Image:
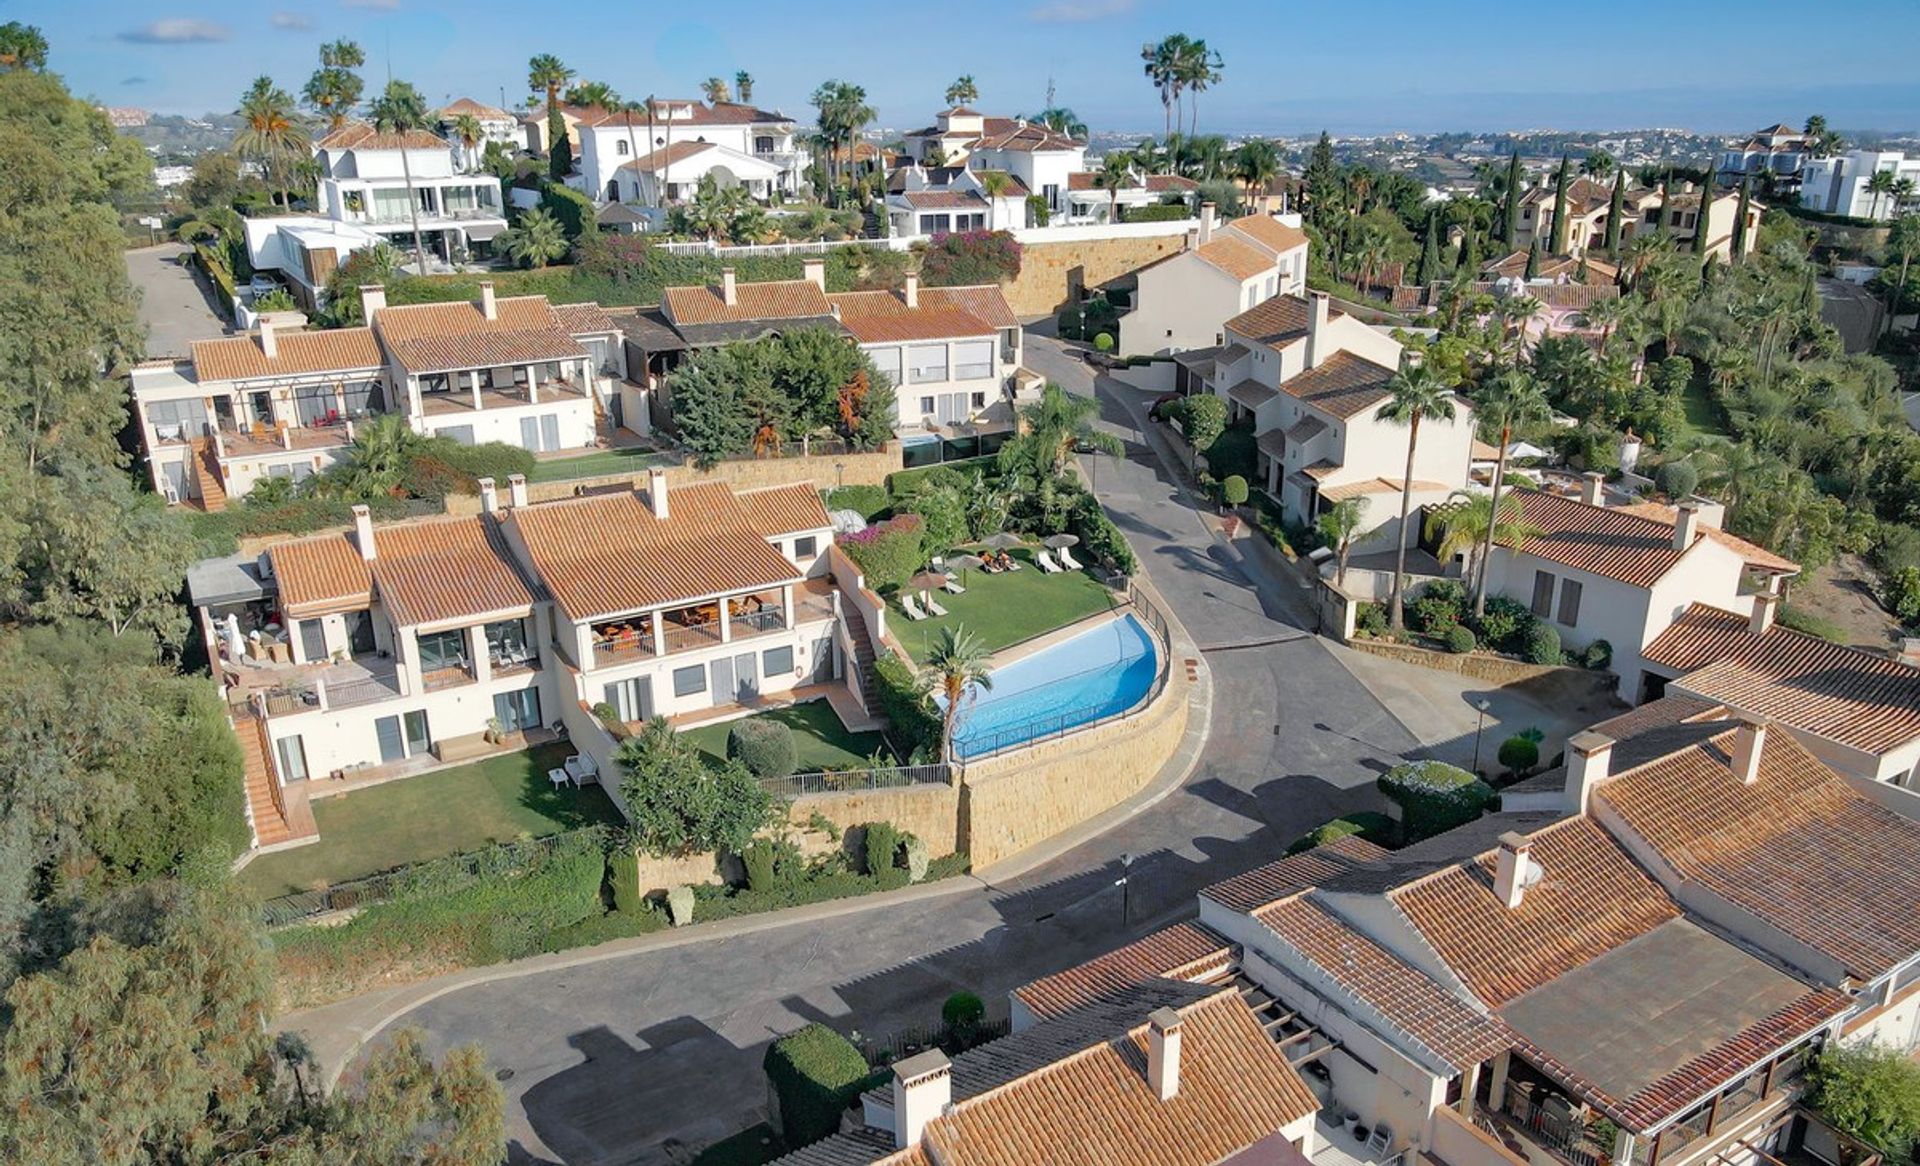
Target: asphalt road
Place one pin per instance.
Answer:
(646, 1058)
(175, 305)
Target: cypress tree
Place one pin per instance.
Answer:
(1430, 250)
(1514, 177)
(1740, 220)
(1580, 276)
(1702, 237)
(1470, 251)
(559, 148)
(1614, 212)
(1560, 224)
(1533, 259)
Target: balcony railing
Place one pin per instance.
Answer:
(611, 650)
(684, 638)
(449, 677)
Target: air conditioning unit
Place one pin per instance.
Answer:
(168, 492)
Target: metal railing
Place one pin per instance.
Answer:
(899, 1044)
(850, 780)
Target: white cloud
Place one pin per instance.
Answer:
(176, 31)
(1079, 11)
(291, 21)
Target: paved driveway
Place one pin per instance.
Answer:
(175, 304)
(643, 1058)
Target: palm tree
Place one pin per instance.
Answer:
(334, 89)
(22, 47)
(1511, 400)
(401, 110)
(1113, 177)
(1256, 163)
(1903, 243)
(1415, 393)
(379, 454)
(743, 87)
(1339, 524)
(1163, 63)
(1604, 315)
(1201, 70)
(537, 240)
(1056, 425)
(956, 669)
(715, 90)
(269, 132)
(1516, 312)
(1902, 193)
(963, 91)
(546, 74)
(593, 94)
(1878, 183)
(1062, 120)
(1738, 471)
(1469, 527)
(468, 132)
(844, 112)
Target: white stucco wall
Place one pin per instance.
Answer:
(1180, 305)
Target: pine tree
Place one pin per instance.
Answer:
(1560, 224)
(1533, 259)
(1430, 250)
(1514, 178)
(1323, 182)
(1615, 211)
(1740, 220)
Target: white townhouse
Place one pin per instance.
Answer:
(496, 125)
(364, 176)
(1088, 203)
(1779, 150)
(660, 155)
(932, 200)
(1043, 159)
(1839, 185)
(1225, 270)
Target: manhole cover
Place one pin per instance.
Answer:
(503, 1075)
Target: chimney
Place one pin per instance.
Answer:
(1750, 740)
(269, 343)
(1686, 524)
(1588, 756)
(657, 492)
(363, 531)
(489, 497)
(489, 307)
(1316, 324)
(1207, 213)
(517, 490)
(815, 272)
(1766, 605)
(1593, 488)
(1512, 872)
(729, 293)
(922, 1091)
(373, 299)
(912, 289)
(1163, 1053)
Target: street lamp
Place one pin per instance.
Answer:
(1483, 706)
(1126, 886)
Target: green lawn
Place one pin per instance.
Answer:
(593, 465)
(412, 819)
(1703, 416)
(820, 741)
(1005, 609)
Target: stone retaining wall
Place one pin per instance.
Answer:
(1496, 670)
(822, 472)
(1051, 273)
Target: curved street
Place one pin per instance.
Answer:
(646, 1057)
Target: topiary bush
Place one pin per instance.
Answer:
(1433, 796)
(880, 852)
(1543, 643)
(815, 1074)
(764, 747)
(1233, 490)
(1597, 655)
(1460, 639)
(1677, 479)
(1103, 342)
(1520, 755)
(1376, 828)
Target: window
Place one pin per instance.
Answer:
(313, 641)
(178, 420)
(443, 650)
(314, 404)
(806, 548)
(926, 363)
(292, 753)
(390, 205)
(361, 398)
(1569, 602)
(459, 200)
(690, 680)
(518, 711)
(887, 361)
(1542, 594)
(620, 148)
(776, 661)
(632, 699)
(507, 642)
(979, 400)
(972, 360)
(926, 406)
(1010, 344)
(763, 144)
(458, 434)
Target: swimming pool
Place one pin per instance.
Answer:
(1100, 672)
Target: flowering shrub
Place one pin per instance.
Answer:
(970, 257)
(888, 553)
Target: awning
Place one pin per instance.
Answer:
(482, 232)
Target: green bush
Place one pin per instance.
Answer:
(1677, 479)
(1440, 607)
(1236, 452)
(1433, 796)
(961, 1016)
(1520, 754)
(489, 459)
(1597, 655)
(1901, 594)
(943, 510)
(869, 502)
(1813, 625)
(815, 1074)
(1371, 618)
(966, 258)
(1375, 828)
(1503, 623)
(574, 210)
(623, 872)
(1543, 643)
(1103, 342)
(1154, 214)
(1071, 324)
(765, 747)
(1460, 639)
(1099, 536)
(761, 860)
(903, 701)
(888, 554)
(880, 850)
(1233, 490)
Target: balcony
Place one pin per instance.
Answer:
(456, 401)
(452, 676)
(696, 627)
(295, 689)
(268, 440)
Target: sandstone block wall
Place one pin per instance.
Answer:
(1493, 669)
(1050, 273)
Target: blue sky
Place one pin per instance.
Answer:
(1710, 65)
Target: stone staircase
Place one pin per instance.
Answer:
(873, 223)
(206, 476)
(862, 654)
(274, 820)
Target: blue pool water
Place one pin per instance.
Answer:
(919, 439)
(1098, 673)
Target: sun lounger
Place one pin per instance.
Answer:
(1067, 560)
(1013, 564)
(911, 608)
(952, 586)
(1046, 562)
(933, 606)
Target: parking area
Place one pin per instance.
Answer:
(176, 306)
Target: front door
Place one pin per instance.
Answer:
(823, 660)
(419, 740)
(747, 675)
(292, 754)
(360, 633)
(313, 641)
(387, 731)
(519, 711)
(720, 681)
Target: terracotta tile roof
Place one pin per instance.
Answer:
(316, 576)
(1170, 184)
(1017, 188)
(609, 555)
(1584, 195)
(1605, 540)
(1514, 266)
(361, 136)
(984, 301)
(935, 200)
(1448, 1026)
(786, 299)
(584, 319)
(240, 358)
(1236, 257)
(1670, 709)
(1278, 321)
(1251, 394)
(720, 113)
(1593, 899)
(1757, 557)
(881, 317)
(1185, 951)
(1320, 469)
(1269, 232)
(1005, 133)
(860, 1147)
(427, 338)
(468, 105)
(435, 572)
(1844, 694)
(1292, 874)
(1799, 848)
(1095, 1106)
(1370, 486)
(1343, 385)
(673, 152)
(777, 510)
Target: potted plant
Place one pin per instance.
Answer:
(496, 732)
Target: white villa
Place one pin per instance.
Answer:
(659, 156)
(1088, 203)
(1183, 298)
(1042, 159)
(931, 200)
(363, 182)
(1838, 185)
(496, 125)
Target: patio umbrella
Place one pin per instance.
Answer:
(1003, 541)
(927, 581)
(1057, 541)
(966, 563)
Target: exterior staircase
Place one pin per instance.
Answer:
(862, 654)
(206, 476)
(873, 223)
(274, 820)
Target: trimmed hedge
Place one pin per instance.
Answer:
(1434, 797)
(574, 210)
(764, 747)
(815, 1074)
(1543, 643)
(916, 726)
(1375, 828)
(1460, 639)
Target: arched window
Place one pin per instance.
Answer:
(620, 148)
